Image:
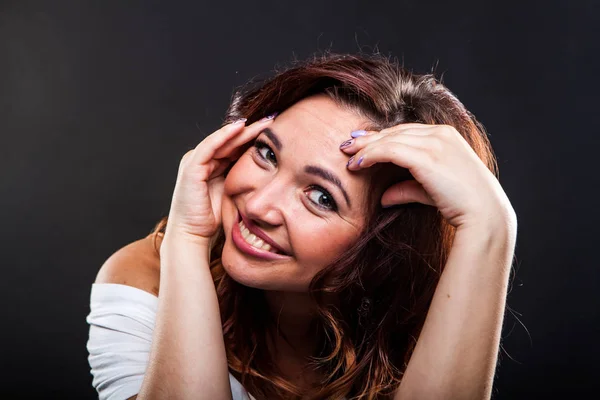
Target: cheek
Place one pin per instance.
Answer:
(320, 243)
(238, 174)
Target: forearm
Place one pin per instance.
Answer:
(187, 358)
(456, 353)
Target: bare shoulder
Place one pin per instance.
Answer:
(136, 264)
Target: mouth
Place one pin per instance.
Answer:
(248, 242)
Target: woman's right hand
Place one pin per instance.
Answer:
(195, 213)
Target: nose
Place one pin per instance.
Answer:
(265, 203)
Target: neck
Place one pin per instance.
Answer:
(293, 336)
(293, 315)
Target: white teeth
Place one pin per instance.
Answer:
(267, 247)
(254, 241)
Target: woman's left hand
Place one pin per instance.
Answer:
(448, 173)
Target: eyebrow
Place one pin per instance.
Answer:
(328, 176)
(311, 169)
(273, 137)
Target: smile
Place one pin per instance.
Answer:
(249, 244)
(252, 240)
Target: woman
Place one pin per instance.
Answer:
(358, 245)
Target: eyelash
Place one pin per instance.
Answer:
(260, 144)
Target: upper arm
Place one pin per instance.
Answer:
(121, 325)
(136, 264)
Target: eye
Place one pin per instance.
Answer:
(318, 195)
(261, 147)
(322, 198)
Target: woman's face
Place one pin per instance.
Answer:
(278, 186)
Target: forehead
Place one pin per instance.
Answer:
(321, 120)
(312, 130)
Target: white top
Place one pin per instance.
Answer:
(121, 323)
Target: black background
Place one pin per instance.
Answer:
(99, 100)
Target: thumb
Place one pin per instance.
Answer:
(409, 191)
(216, 195)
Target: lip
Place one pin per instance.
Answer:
(256, 231)
(242, 245)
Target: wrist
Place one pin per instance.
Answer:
(496, 222)
(497, 239)
(190, 244)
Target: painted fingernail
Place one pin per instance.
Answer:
(346, 143)
(239, 121)
(268, 117)
(359, 161)
(350, 161)
(356, 134)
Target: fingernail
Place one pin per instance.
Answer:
(268, 117)
(359, 161)
(350, 161)
(356, 134)
(239, 121)
(346, 143)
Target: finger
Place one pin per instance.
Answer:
(249, 133)
(402, 154)
(411, 126)
(409, 191)
(353, 146)
(359, 140)
(408, 128)
(217, 167)
(205, 173)
(238, 152)
(207, 148)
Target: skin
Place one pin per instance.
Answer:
(452, 359)
(275, 194)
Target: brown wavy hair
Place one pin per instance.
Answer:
(385, 282)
